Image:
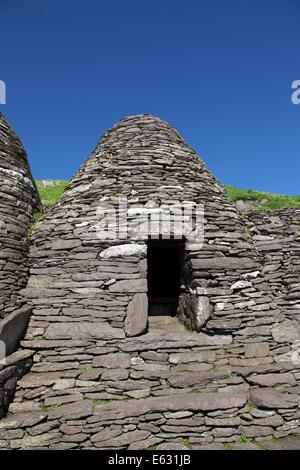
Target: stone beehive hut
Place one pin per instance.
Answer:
(18, 201)
(140, 339)
(116, 282)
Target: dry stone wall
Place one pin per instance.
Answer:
(278, 240)
(104, 374)
(18, 200)
(77, 277)
(158, 389)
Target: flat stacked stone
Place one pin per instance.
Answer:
(278, 241)
(18, 200)
(77, 277)
(155, 390)
(105, 375)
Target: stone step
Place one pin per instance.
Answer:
(165, 323)
(171, 403)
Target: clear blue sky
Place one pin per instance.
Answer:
(219, 71)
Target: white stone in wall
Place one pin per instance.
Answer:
(18, 176)
(151, 204)
(253, 274)
(128, 249)
(219, 306)
(137, 360)
(143, 211)
(204, 311)
(171, 187)
(82, 224)
(263, 237)
(133, 192)
(80, 189)
(241, 285)
(287, 330)
(190, 246)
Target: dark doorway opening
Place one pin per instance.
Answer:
(165, 262)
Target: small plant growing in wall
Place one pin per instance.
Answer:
(35, 218)
(96, 402)
(227, 446)
(186, 443)
(244, 439)
(251, 405)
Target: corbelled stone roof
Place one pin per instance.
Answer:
(18, 200)
(145, 154)
(145, 159)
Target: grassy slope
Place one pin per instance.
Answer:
(50, 196)
(272, 201)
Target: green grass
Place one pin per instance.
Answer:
(227, 446)
(44, 407)
(244, 439)
(50, 195)
(273, 201)
(35, 218)
(251, 406)
(185, 442)
(97, 402)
